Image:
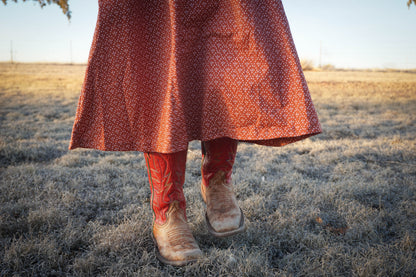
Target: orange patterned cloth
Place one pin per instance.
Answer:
(162, 73)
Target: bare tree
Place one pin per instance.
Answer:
(410, 2)
(61, 3)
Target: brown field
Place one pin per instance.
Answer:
(339, 204)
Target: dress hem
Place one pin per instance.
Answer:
(273, 142)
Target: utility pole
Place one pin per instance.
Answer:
(70, 51)
(11, 51)
(320, 54)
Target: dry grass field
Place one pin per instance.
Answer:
(339, 204)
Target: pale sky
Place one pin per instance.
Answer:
(346, 34)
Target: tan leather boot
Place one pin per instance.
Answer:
(173, 238)
(224, 217)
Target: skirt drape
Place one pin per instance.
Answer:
(162, 73)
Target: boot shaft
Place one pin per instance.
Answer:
(218, 154)
(166, 174)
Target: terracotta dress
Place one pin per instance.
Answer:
(162, 73)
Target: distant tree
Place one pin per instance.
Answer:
(61, 3)
(307, 65)
(410, 2)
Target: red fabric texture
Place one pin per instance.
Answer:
(166, 174)
(162, 73)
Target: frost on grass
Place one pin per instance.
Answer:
(339, 204)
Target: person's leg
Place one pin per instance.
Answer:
(172, 235)
(224, 217)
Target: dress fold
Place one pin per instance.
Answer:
(162, 73)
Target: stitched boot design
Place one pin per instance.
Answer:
(172, 235)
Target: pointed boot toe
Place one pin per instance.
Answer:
(174, 241)
(223, 216)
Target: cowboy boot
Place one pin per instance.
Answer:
(223, 216)
(173, 238)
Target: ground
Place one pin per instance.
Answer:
(342, 203)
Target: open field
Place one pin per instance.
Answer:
(339, 204)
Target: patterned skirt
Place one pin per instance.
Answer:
(162, 73)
